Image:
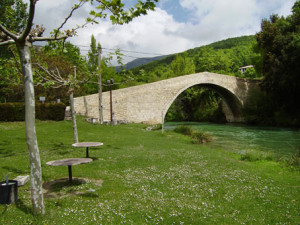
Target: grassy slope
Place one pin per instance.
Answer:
(148, 177)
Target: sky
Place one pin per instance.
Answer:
(174, 26)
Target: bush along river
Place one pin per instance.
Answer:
(253, 143)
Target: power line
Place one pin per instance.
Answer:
(122, 50)
(123, 55)
(146, 53)
(116, 49)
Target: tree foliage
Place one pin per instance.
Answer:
(54, 58)
(15, 14)
(182, 65)
(224, 57)
(92, 55)
(197, 104)
(279, 44)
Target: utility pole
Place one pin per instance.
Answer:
(110, 83)
(100, 86)
(71, 91)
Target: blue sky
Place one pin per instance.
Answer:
(175, 25)
(174, 8)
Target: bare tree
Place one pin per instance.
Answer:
(56, 79)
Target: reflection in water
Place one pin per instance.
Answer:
(236, 138)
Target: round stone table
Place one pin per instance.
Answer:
(87, 145)
(69, 162)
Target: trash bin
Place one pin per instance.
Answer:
(8, 192)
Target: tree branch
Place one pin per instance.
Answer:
(69, 16)
(50, 74)
(106, 6)
(17, 64)
(49, 38)
(27, 30)
(8, 33)
(7, 42)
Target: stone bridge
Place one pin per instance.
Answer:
(149, 103)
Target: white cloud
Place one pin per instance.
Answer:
(219, 19)
(159, 32)
(153, 33)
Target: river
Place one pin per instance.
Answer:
(280, 142)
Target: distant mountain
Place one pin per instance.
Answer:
(140, 61)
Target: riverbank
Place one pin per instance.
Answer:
(146, 177)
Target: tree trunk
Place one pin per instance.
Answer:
(100, 87)
(75, 133)
(34, 156)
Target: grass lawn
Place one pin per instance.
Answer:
(145, 177)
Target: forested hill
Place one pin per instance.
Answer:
(224, 57)
(142, 61)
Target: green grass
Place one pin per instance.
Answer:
(147, 178)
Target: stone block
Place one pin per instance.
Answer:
(22, 180)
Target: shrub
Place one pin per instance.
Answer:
(186, 130)
(12, 112)
(253, 155)
(201, 137)
(47, 111)
(50, 111)
(198, 137)
(294, 160)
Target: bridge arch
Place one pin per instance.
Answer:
(232, 106)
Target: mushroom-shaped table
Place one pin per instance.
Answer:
(87, 145)
(69, 162)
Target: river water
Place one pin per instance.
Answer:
(279, 142)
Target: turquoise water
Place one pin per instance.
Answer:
(280, 142)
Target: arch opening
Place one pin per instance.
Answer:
(228, 103)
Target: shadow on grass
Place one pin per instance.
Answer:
(60, 148)
(59, 184)
(111, 147)
(12, 169)
(4, 209)
(20, 205)
(94, 158)
(63, 188)
(4, 153)
(89, 195)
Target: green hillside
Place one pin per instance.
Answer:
(224, 57)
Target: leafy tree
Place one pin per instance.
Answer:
(14, 20)
(182, 65)
(250, 73)
(214, 61)
(10, 79)
(279, 44)
(15, 14)
(92, 55)
(24, 39)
